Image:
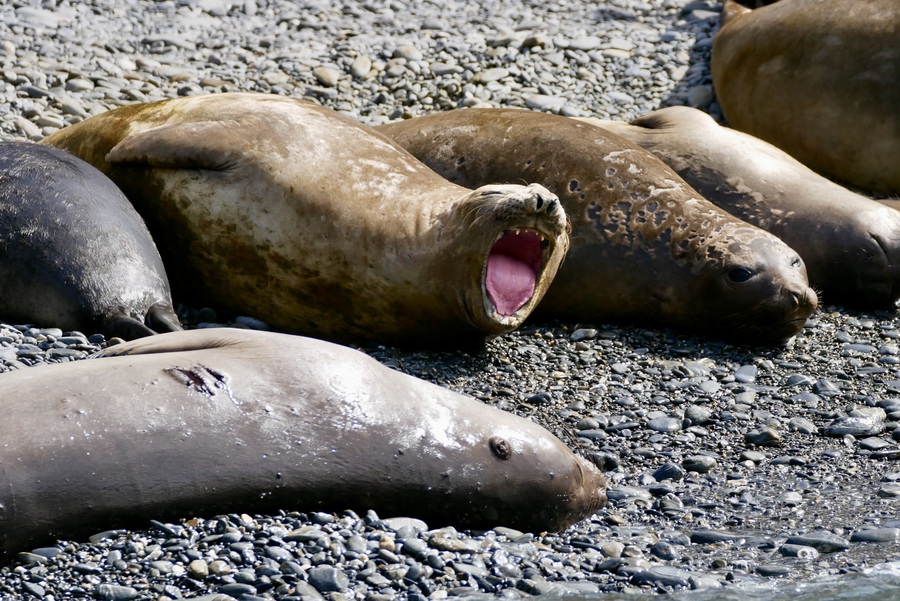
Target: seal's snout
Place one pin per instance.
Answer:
(594, 484)
(803, 299)
(806, 300)
(550, 201)
(886, 236)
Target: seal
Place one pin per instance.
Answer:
(292, 213)
(644, 246)
(850, 243)
(204, 422)
(73, 251)
(818, 79)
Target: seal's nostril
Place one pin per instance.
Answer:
(540, 202)
(551, 206)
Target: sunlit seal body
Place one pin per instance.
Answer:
(644, 246)
(214, 421)
(304, 218)
(818, 79)
(74, 253)
(850, 243)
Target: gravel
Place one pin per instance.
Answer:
(727, 465)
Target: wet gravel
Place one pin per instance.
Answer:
(726, 464)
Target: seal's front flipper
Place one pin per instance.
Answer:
(123, 326)
(187, 340)
(200, 145)
(162, 318)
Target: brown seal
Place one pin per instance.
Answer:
(818, 79)
(850, 243)
(644, 245)
(304, 218)
(73, 252)
(213, 421)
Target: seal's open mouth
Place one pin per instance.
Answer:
(513, 265)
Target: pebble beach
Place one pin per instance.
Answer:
(734, 472)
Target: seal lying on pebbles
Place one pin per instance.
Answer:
(290, 212)
(850, 244)
(817, 78)
(644, 245)
(217, 420)
(73, 252)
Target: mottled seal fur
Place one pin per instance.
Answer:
(292, 213)
(73, 252)
(850, 243)
(818, 79)
(644, 245)
(214, 421)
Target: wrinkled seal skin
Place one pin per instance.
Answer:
(818, 79)
(73, 251)
(213, 421)
(292, 213)
(644, 246)
(849, 243)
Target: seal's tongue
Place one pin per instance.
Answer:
(512, 268)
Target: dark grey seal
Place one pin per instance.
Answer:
(73, 252)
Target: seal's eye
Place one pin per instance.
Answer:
(740, 274)
(795, 262)
(500, 447)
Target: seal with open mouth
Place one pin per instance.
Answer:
(73, 252)
(645, 246)
(205, 422)
(304, 218)
(850, 243)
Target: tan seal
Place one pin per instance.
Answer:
(304, 218)
(214, 421)
(644, 245)
(819, 79)
(850, 243)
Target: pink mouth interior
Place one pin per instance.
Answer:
(512, 268)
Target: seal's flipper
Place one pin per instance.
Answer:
(124, 326)
(176, 342)
(163, 319)
(652, 121)
(180, 146)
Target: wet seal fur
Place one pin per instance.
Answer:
(292, 213)
(73, 251)
(850, 243)
(644, 245)
(213, 421)
(818, 79)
